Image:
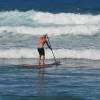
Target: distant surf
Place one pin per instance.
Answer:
(36, 23)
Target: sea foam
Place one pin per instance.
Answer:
(37, 23)
(59, 53)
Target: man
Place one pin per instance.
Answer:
(42, 42)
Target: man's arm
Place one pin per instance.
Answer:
(48, 45)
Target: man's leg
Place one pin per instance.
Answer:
(43, 60)
(39, 61)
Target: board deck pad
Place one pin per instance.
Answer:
(41, 66)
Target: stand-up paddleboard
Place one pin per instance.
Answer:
(41, 66)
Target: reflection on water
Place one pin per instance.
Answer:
(41, 82)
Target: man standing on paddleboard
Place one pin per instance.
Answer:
(42, 42)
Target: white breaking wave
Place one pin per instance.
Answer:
(37, 23)
(65, 18)
(75, 30)
(59, 53)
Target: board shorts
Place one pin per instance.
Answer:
(41, 51)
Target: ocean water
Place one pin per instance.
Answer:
(73, 27)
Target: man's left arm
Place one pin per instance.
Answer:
(48, 45)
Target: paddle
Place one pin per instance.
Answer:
(52, 51)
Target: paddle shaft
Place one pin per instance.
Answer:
(54, 56)
(51, 49)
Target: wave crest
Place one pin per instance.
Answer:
(59, 53)
(36, 23)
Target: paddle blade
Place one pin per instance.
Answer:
(57, 63)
